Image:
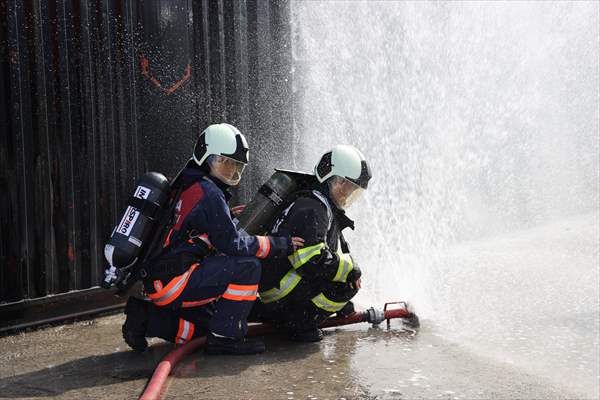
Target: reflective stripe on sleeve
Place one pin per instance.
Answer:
(328, 305)
(302, 256)
(240, 292)
(345, 265)
(264, 246)
(286, 285)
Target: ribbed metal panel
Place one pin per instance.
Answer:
(94, 93)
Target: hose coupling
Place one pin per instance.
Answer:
(374, 316)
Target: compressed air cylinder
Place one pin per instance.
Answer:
(132, 235)
(257, 217)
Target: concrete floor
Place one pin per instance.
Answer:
(90, 360)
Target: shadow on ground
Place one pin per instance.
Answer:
(127, 366)
(92, 371)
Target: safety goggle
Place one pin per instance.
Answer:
(238, 169)
(347, 194)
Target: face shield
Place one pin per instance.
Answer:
(344, 192)
(227, 170)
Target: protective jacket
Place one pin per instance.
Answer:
(306, 273)
(203, 226)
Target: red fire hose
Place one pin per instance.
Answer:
(164, 368)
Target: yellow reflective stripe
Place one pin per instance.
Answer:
(286, 285)
(302, 256)
(324, 303)
(345, 265)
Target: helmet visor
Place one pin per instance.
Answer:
(344, 192)
(229, 170)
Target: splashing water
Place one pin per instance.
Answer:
(480, 121)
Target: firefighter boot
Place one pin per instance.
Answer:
(134, 328)
(313, 334)
(224, 345)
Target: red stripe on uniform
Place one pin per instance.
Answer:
(242, 287)
(190, 304)
(181, 327)
(264, 246)
(238, 298)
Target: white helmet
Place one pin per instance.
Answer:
(344, 161)
(352, 172)
(225, 150)
(221, 140)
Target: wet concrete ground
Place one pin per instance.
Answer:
(89, 360)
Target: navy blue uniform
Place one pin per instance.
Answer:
(301, 291)
(221, 266)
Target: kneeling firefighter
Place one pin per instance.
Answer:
(206, 278)
(299, 292)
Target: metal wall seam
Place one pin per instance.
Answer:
(109, 167)
(46, 125)
(21, 108)
(70, 272)
(5, 184)
(90, 129)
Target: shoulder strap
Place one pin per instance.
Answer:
(291, 200)
(344, 244)
(323, 200)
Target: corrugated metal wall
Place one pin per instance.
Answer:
(94, 93)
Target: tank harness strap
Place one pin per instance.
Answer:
(147, 208)
(291, 200)
(162, 264)
(344, 244)
(323, 200)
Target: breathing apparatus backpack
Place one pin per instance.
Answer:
(137, 239)
(141, 230)
(282, 188)
(271, 199)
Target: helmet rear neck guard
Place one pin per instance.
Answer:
(346, 162)
(221, 140)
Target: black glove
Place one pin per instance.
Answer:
(354, 274)
(290, 249)
(284, 243)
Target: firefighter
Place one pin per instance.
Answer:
(299, 292)
(205, 260)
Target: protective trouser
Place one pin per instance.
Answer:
(219, 289)
(178, 326)
(301, 310)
